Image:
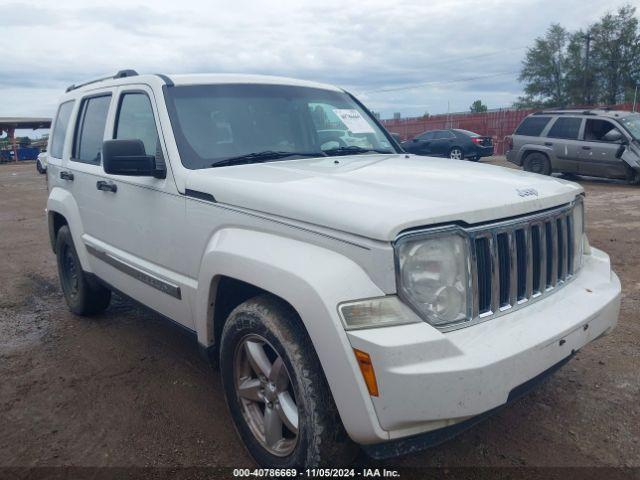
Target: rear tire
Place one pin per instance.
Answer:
(287, 423)
(537, 163)
(83, 295)
(456, 153)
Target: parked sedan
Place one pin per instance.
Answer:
(453, 143)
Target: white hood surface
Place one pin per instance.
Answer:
(378, 196)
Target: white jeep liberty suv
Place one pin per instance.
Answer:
(352, 293)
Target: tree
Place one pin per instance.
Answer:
(545, 67)
(616, 47)
(595, 65)
(478, 107)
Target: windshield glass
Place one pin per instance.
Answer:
(215, 123)
(632, 124)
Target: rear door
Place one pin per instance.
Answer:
(442, 142)
(422, 144)
(597, 156)
(564, 139)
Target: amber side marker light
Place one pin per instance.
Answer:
(366, 368)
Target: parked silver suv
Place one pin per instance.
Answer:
(600, 143)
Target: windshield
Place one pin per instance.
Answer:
(216, 125)
(632, 124)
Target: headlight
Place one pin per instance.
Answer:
(578, 234)
(433, 276)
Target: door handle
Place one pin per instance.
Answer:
(548, 144)
(66, 176)
(586, 148)
(106, 186)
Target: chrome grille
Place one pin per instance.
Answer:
(516, 261)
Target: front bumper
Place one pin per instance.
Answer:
(429, 380)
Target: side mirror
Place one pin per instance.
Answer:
(127, 157)
(614, 136)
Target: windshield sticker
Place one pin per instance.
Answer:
(353, 120)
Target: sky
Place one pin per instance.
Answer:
(410, 57)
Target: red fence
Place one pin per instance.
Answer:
(497, 124)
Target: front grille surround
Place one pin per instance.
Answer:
(513, 263)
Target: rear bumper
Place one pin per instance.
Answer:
(429, 380)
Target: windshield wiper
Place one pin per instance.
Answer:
(257, 157)
(354, 149)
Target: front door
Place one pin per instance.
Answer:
(134, 225)
(598, 157)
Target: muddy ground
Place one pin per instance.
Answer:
(129, 389)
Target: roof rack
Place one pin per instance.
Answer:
(565, 112)
(119, 74)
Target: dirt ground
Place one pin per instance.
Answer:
(130, 389)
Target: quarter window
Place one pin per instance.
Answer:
(565, 127)
(135, 121)
(60, 127)
(532, 126)
(90, 130)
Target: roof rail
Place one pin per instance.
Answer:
(119, 74)
(565, 112)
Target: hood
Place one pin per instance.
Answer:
(378, 196)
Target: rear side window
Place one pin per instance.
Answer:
(60, 127)
(565, 127)
(135, 121)
(532, 126)
(90, 129)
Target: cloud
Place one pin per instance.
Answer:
(407, 56)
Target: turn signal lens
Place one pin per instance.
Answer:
(366, 368)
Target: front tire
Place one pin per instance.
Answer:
(277, 394)
(537, 163)
(83, 295)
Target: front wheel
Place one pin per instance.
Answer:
(456, 153)
(276, 391)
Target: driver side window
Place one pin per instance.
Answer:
(426, 136)
(601, 131)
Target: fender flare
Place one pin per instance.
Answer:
(61, 201)
(313, 280)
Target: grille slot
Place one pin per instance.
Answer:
(483, 263)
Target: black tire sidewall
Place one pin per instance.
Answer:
(240, 324)
(90, 298)
(461, 153)
(540, 157)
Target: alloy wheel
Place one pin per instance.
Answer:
(265, 393)
(455, 154)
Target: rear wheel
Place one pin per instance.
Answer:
(456, 153)
(537, 163)
(84, 296)
(276, 391)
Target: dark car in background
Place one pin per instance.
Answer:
(453, 143)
